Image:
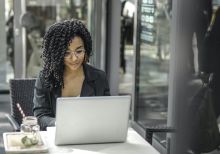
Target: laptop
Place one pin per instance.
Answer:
(85, 120)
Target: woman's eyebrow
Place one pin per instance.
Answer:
(79, 47)
(76, 48)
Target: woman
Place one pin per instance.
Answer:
(67, 47)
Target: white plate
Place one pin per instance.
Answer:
(13, 144)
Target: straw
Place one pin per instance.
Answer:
(20, 110)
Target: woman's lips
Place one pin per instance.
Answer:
(73, 63)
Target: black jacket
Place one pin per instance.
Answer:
(95, 84)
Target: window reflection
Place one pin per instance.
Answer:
(9, 16)
(44, 15)
(153, 60)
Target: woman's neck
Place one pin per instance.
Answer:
(73, 74)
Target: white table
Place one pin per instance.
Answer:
(135, 144)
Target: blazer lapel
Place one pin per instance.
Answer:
(88, 88)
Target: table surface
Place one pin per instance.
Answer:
(134, 144)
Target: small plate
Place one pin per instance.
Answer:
(13, 144)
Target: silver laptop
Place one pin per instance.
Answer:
(83, 120)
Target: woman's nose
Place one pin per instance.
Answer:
(74, 57)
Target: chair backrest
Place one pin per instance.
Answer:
(22, 92)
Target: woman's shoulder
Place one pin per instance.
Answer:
(93, 72)
(40, 82)
(94, 69)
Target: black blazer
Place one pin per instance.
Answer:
(95, 84)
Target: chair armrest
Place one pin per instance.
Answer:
(156, 127)
(4, 91)
(160, 128)
(13, 122)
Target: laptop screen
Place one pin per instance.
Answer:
(81, 120)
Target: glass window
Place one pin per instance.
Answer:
(40, 15)
(6, 43)
(152, 60)
(126, 47)
(37, 16)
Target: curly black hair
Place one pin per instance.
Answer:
(55, 44)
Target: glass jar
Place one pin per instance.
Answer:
(31, 130)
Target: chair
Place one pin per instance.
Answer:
(22, 92)
(155, 126)
(150, 128)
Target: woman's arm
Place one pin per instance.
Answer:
(42, 106)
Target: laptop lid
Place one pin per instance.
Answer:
(81, 120)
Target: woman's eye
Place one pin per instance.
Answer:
(67, 53)
(79, 51)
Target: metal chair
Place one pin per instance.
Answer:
(22, 92)
(148, 129)
(155, 126)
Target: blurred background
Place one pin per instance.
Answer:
(134, 41)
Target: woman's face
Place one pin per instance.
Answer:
(75, 54)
